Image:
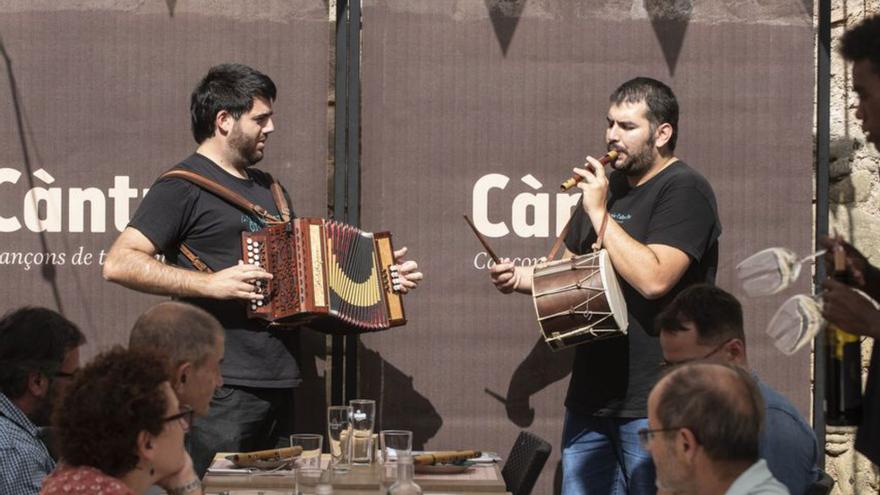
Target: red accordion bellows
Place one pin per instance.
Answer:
(332, 276)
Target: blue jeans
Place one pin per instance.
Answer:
(602, 456)
(242, 419)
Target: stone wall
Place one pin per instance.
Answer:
(855, 213)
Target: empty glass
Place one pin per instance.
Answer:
(392, 445)
(307, 480)
(339, 436)
(312, 445)
(770, 270)
(363, 419)
(795, 323)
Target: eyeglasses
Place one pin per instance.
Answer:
(707, 356)
(646, 435)
(185, 416)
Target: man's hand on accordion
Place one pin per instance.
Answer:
(242, 281)
(410, 276)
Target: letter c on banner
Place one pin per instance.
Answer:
(481, 205)
(9, 224)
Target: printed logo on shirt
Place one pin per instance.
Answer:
(253, 224)
(621, 217)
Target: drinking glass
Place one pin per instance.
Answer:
(311, 449)
(307, 480)
(363, 419)
(394, 442)
(339, 436)
(771, 270)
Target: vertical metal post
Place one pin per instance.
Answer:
(823, 143)
(353, 191)
(346, 179)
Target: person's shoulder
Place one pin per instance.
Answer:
(779, 408)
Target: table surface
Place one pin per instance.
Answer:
(480, 479)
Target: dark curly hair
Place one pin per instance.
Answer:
(862, 42)
(109, 403)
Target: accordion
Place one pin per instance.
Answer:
(329, 275)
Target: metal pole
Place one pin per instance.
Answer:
(823, 140)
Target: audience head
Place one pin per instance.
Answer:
(39, 353)
(120, 415)
(703, 323)
(861, 46)
(704, 421)
(191, 341)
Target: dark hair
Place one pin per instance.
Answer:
(862, 42)
(230, 87)
(33, 340)
(112, 400)
(177, 331)
(721, 405)
(659, 98)
(715, 313)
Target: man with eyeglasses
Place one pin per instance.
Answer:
(39, 353)
(192, 343)
(704, 421)
(705, 323)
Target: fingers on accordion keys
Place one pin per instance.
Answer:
(395, 278)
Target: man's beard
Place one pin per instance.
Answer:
(636, 165)
(245, 148)
(42, 414)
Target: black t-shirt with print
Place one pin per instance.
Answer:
(176, 211)
(675, 208)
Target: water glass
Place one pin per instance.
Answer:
(307, 480)
(339, 435)
(363, 420)
(312, 445)
(393, 443)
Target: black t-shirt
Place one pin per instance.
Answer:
(177, 211)
(675, 208)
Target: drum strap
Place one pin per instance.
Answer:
(561, 237)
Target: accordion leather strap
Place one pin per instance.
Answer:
(280, 200)
(227, 194)
(196, 262)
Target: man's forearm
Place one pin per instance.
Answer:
(142, 272)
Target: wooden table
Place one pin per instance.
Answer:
(361, 480)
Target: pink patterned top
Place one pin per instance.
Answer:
(82, 480)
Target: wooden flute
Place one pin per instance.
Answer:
(575, 178)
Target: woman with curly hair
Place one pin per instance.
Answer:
(120, 429)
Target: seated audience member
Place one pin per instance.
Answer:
(706, 323)
(704, 420)
(192, 341)
(120, 430)
(39, 353)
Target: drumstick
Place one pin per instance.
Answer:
(445, 457)
(482, 240)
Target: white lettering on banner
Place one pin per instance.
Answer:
(482, 261)
(530, 214)
(42, 207)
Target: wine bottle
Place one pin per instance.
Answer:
(843, 370)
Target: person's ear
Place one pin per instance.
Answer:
(663, 134)
(181, 373)
(37, 384)
(735, 350)
(687, 444)
(224, 122)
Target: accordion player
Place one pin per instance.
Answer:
(329, 275)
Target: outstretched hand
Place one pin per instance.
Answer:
(856, 263)
(410, 276)
(848, 309)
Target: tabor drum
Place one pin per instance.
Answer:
(578, 300)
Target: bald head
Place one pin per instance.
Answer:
(181, 332)
(721, 406)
